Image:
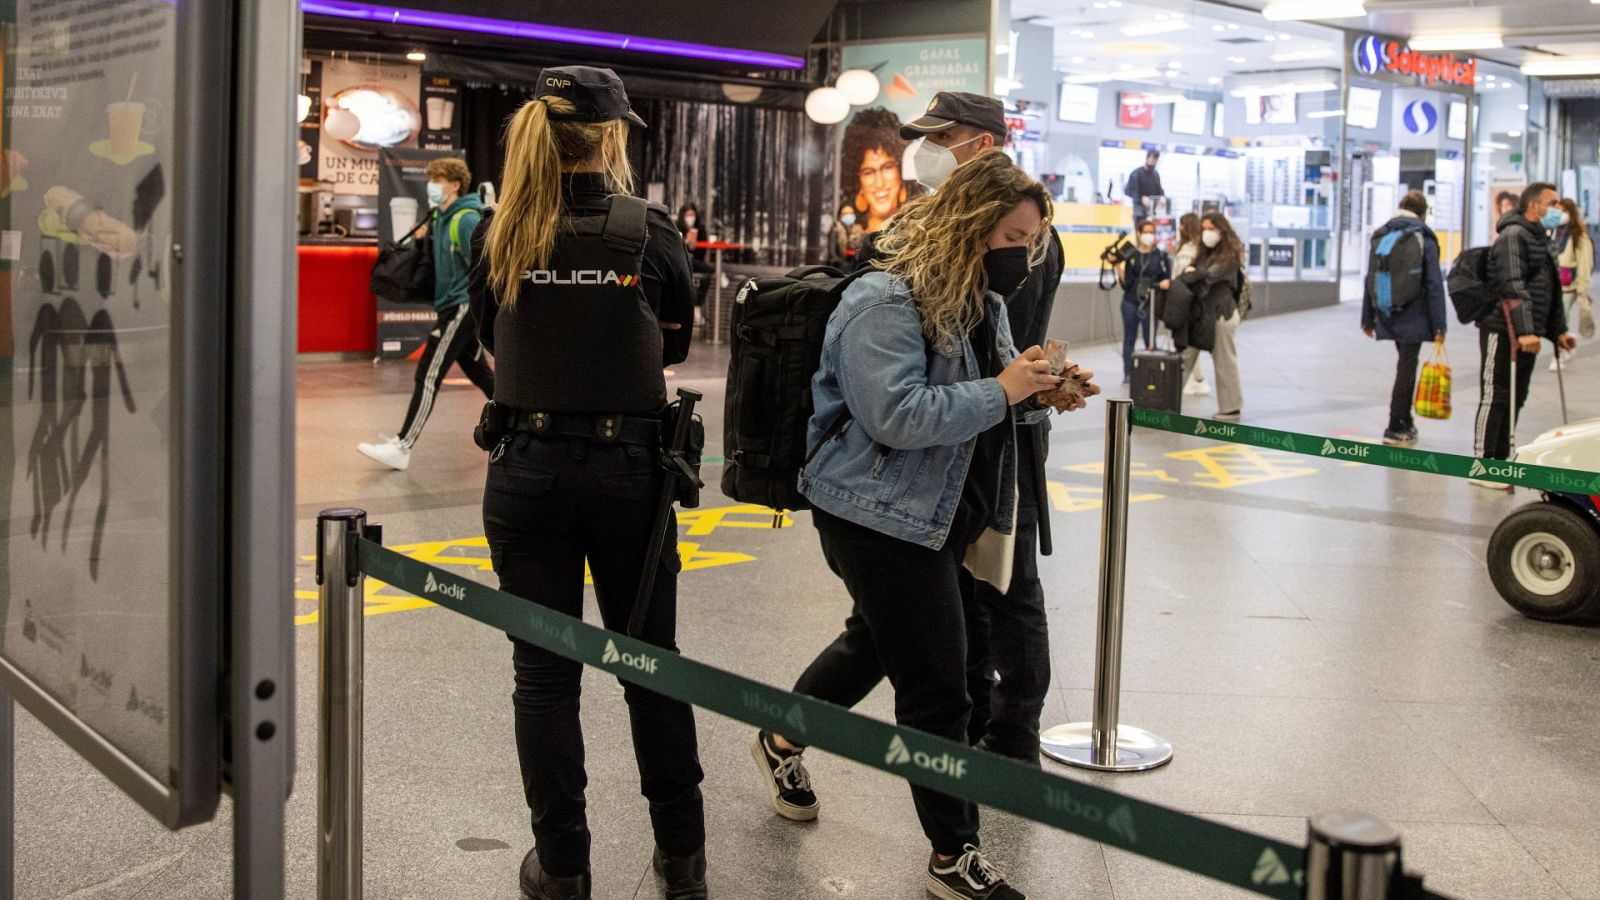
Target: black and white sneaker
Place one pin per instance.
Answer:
(969, 876)
(786, 777)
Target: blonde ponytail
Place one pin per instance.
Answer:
(522, 234)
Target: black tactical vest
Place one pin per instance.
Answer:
(581, 337)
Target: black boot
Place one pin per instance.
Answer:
(537, 884)
(685, 875)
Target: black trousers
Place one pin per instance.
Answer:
(453, 340)
(1492, 431)
(908, 606)
(550, 505)
(1008, 656)
(1405, 386)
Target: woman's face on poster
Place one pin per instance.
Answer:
(880, 183)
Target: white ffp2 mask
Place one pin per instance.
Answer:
(935, 163)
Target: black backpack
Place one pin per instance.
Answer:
(1470, 288)
(1394, 268)
(776, 346)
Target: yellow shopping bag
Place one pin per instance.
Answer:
(1433, 388)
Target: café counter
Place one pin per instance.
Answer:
(338, 314)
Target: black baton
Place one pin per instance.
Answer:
(677, 468)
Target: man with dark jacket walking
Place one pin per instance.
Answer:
(456, 213)
(1523, 272)
(1410, 321)
(1144, 184)
(1008, 639)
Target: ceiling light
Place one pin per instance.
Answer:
(1099, 6)
(1142, 29)
(417, 56)
(1524, 106)
(1513, 134)
(859, 86)
(1270, 38)
(1078, 60)
(420, 18)
(1301, 55)
(1283, 36)
(1547, 68)
(1493, 145)
(1232, 27)
(1293, 87)
(1492, 77)
(1237, 59)
(1293, 10)
(1482, 40)
(827, 106)
(1213, 80)
(1114, 4)
(1225, 28)
(1325, 114)
(1099, 77)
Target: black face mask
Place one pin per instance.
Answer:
(1007, 269)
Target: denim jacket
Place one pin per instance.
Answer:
(900, 464)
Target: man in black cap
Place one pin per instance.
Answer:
(1007, 635)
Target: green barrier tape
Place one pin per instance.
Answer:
(1539, 478)
(1239, 858)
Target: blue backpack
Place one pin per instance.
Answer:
(1394, 271)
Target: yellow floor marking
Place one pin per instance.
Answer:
(1135, 470)
(1082, 498)
(380, 598)
(705, 521)
(1235, 465)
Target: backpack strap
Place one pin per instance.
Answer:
(454, 227)
(625, 228)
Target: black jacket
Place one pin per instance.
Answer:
(666, 277)
(1523, 271)
(1211, 284)
(1418, 322)
(1144, 182)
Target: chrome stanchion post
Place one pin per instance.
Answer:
(1105, 744)
(8, 796)
(1351, 856)
(339, 749)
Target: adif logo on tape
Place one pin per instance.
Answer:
(592, 277)
(1480, 469)
(453, 591)
(1355, 451)
(642, 662)
(943, 764)
(1271, 870)
(1120, 822)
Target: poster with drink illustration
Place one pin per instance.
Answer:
(875, 171)
(86, 598)
(366, 106)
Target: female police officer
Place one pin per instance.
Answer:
(584, 293)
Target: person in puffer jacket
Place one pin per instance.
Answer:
(1522, 270)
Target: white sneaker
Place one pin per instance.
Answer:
(389, 452)
(1563, 357)
(1489, 485)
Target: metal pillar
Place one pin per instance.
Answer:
(339, 749)
(1351, 856)
(1104, 744)
(8, 796)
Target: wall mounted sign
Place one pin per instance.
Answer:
(1393, 60)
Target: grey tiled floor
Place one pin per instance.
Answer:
(1314, 636)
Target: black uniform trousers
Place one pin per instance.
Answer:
(453, 340)
(1492, 430)
(909, 611)
(549, 505)
(1405, 386)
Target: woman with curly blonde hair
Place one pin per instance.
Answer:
(913, 475)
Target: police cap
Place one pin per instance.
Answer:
(596, 93)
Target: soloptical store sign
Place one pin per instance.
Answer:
(1392, 60)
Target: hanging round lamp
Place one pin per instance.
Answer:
(827, 106)
(859, 86)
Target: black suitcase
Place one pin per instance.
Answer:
(1157, 381)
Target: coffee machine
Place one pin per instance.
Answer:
(316, 207)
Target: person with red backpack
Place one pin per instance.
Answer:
(1404, 302)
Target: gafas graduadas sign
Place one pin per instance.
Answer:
(1375, 56)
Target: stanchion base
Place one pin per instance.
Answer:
(1137, 749)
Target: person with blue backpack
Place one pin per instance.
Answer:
(1404, 302)
(456, 214)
